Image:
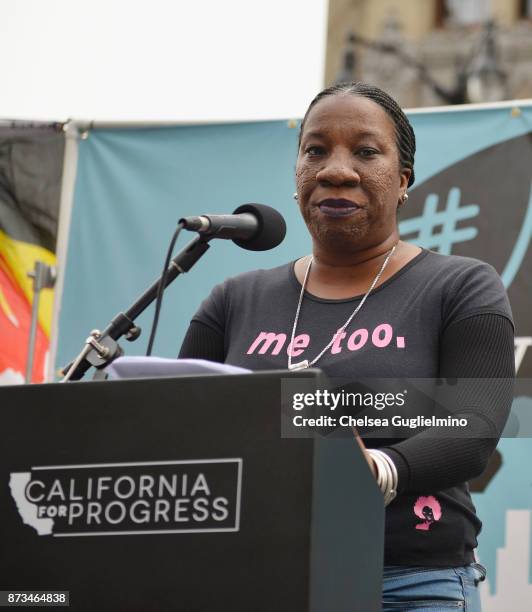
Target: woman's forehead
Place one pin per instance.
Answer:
(351, 112)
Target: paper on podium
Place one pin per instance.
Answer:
(156, 367)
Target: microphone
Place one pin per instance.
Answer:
(254, 227)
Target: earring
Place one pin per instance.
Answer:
(405, 198)
(295, 196)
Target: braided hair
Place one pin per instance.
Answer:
(405, 137)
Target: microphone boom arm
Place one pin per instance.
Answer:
(101, 348)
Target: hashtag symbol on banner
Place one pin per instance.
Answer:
(423, 227)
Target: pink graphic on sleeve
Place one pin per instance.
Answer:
(428, 509)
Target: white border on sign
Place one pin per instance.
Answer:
(237, 460)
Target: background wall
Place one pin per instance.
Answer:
(444, 36)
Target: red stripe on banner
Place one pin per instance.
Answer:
(15, 321)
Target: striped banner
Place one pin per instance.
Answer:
(31, 161)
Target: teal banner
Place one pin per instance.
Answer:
(133, 186)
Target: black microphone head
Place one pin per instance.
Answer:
(271, 231)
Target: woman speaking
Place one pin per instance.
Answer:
(365, 304)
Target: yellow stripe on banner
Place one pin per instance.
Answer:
(20, 258)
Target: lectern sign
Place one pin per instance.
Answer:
(193, 496)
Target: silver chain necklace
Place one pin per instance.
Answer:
(301, 365)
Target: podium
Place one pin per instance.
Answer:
(182, 494)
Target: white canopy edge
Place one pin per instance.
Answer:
(83, 125)
(474, 107)
(88, 124)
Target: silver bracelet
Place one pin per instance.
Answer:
(387, 477)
